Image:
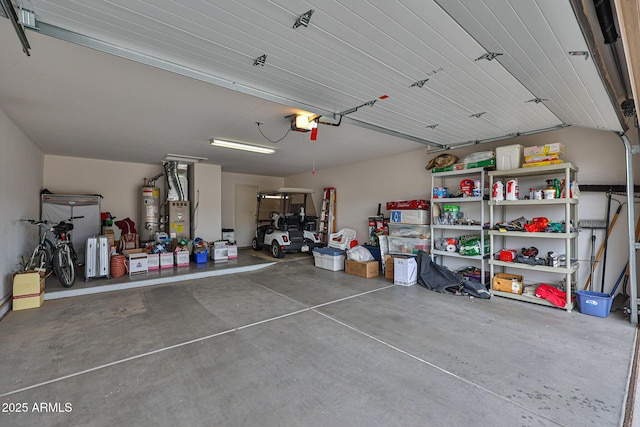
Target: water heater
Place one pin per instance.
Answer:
(150, 213)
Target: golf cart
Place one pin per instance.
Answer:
(286, 221)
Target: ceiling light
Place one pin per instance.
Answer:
(241, 146)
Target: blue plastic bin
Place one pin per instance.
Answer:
(594, 303)
(201, 257)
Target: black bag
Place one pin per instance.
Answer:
(440, 279)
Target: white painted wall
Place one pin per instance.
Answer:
(229, 182)
(206, 205)
(118, 183)
(21, 165)
(360, 187)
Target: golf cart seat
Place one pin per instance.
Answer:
(342, 239)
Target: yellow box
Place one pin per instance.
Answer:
(545, 163)
(504, 282)
(364, 269)
(28, 291)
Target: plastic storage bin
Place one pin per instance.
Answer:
(329, 258)
(594, 303)
(509, 157)
(201, 257)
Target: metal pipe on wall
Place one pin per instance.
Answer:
(630, 224)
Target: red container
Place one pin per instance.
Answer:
(408, 204)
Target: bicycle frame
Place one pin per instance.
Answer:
(59, 254)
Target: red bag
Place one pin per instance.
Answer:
(554, 295)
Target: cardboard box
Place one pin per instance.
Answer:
(110, 236)
(541, 157)
(220, 254)
(364, 269)
(388, 267)
(220, 244)
(28, 291)
(410, 216)
(153, 261)
(181, 258)
(556, 147)
(505, 282)
(509, 157)
(545, 163)
(166, 260)
(232, 251)
(137, 262)
(405, 271)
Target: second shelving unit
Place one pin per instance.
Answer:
(470, 223)
(566, 211)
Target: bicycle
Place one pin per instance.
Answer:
(60, 254)
(40, 259)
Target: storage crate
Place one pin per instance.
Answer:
(201, 257)
(407, 245)
(594, 303)
(364, 269)
(329, 258)
(509, 157)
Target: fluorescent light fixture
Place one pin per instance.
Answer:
(183, 158)
(242, 146)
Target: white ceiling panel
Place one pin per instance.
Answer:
(354, 51)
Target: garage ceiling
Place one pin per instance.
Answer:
(146, 78)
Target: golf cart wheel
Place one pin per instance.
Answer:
(276, 251)
(255, 245)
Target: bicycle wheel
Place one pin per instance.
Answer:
(63, 266)
(41, 259)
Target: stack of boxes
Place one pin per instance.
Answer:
(543, 155)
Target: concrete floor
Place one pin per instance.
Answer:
(295, 345)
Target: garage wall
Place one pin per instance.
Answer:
(21, 180)
(118, 183)
(206, 204)
(360, 187)
(229, 183)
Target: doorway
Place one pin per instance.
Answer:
(245, 214)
